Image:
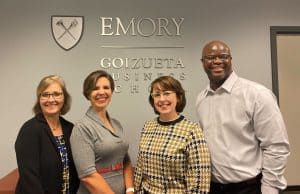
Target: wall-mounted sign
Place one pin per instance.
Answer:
(67, 30)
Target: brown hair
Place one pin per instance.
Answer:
(168, 83)
(91, 81)
(43, 85)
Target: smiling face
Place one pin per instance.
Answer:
(216, 61)
(164, 103)
(52, 100)
(101, 95)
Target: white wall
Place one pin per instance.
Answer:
(28, 52)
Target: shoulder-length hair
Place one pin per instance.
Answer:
(43, 85)
(168, 83)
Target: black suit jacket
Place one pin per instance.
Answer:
(39, 163)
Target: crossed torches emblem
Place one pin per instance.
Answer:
(61, 24)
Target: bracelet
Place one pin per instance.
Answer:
(130, 189)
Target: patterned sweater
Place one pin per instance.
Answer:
(173, 158)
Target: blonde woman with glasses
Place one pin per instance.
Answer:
(42, 146)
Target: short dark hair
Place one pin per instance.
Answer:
(43, 85)
(168, 83)
(91, 80)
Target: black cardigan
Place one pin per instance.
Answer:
(39, 163)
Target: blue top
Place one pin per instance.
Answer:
(61, 145)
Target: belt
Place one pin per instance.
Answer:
(114, 168)
(238, 185)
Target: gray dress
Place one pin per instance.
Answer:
(95, 147)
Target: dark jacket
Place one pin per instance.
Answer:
(39, 163)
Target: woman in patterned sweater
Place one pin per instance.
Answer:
(173, 155)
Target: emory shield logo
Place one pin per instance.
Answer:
(67, 30)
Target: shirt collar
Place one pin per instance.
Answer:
(227, 85)
(94, 115)
(180, 118)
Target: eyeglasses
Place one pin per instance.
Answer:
(165, 94)
(55, 95)
(222, 57)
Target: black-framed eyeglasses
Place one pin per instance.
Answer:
(159, 94)
(222, 57)
(55, 95)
